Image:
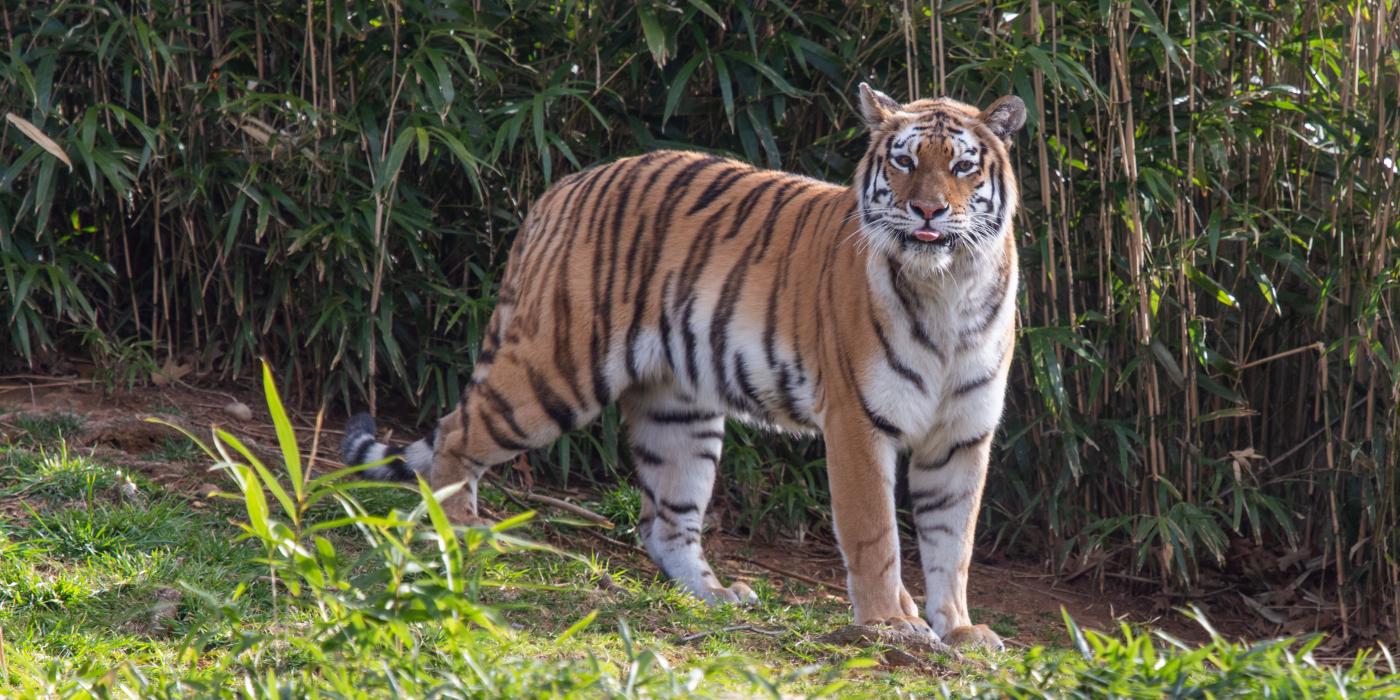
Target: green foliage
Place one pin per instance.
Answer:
(1208, 231)
(1133, 665)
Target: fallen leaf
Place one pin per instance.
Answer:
(527, 473)
(170, 373)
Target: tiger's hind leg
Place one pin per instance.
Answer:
(520, 404)
(676, 447)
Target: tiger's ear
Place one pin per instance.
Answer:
(1005, 117)
(875, 106)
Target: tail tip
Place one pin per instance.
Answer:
(360, 423)
(357, 429)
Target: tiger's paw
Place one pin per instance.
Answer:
(476, 521)
(905, 634)
(737, 593)
(464, 514)
(906, 624)
(975, 636)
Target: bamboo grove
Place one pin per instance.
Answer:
(1205, 386)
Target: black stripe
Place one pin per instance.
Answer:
(597, 340)
(790, 190)
(750, 395)
(893, 360)
(953, 451)
(770, 320)
(504, 408)
(734, 282)
(500, 438)
(708, 435)
(786, 398)
(688, 533)
(712, 457)
(564, 351)
(975, 384)
(664, 326)
(996, 299)
(614, 240)
(876, 419)
(676, 189)
(362, 449)
(930, 501)
(925, 536)
(679, 508)
(558, 411)
(486, 355)
(668, 417)
(630, 266)
(994, 173)
(718, 186)
(646, 456)
(912, 309)
(697, 259)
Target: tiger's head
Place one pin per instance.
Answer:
(936, 181)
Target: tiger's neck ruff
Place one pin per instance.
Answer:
(687, 288)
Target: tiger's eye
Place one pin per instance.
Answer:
(962, 167)
(904, 161)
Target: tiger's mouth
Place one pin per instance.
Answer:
(929, 237)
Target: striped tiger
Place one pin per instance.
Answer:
(687, 288)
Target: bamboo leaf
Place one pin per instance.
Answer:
(38, 137)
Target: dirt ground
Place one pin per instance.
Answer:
(1021, 595)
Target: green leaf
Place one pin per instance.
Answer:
(1210, 286)
(726, 90)
(704, 7)
(655, 36)
(679, 82)
(286, 436)
(577, 627)
(270, 480)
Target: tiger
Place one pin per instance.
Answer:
(688, 287)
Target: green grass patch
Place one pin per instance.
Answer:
(174, 449)
(301, 585)
(48, 429)
(157, 598)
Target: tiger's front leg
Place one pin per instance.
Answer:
(946, 476)
(860, 467)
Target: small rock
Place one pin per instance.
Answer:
(207, 490)
(166, 605)
(239, 410)
(157, 619)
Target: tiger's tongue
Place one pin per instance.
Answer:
(927, 235)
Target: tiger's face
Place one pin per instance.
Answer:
(936, 180)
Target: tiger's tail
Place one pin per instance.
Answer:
(360, 447)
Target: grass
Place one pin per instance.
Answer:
(106, 593)
(45, 428)
(174, 449)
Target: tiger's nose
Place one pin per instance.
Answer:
(928, 210)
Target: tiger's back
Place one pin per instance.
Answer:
(686, 288)
(678, 267)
